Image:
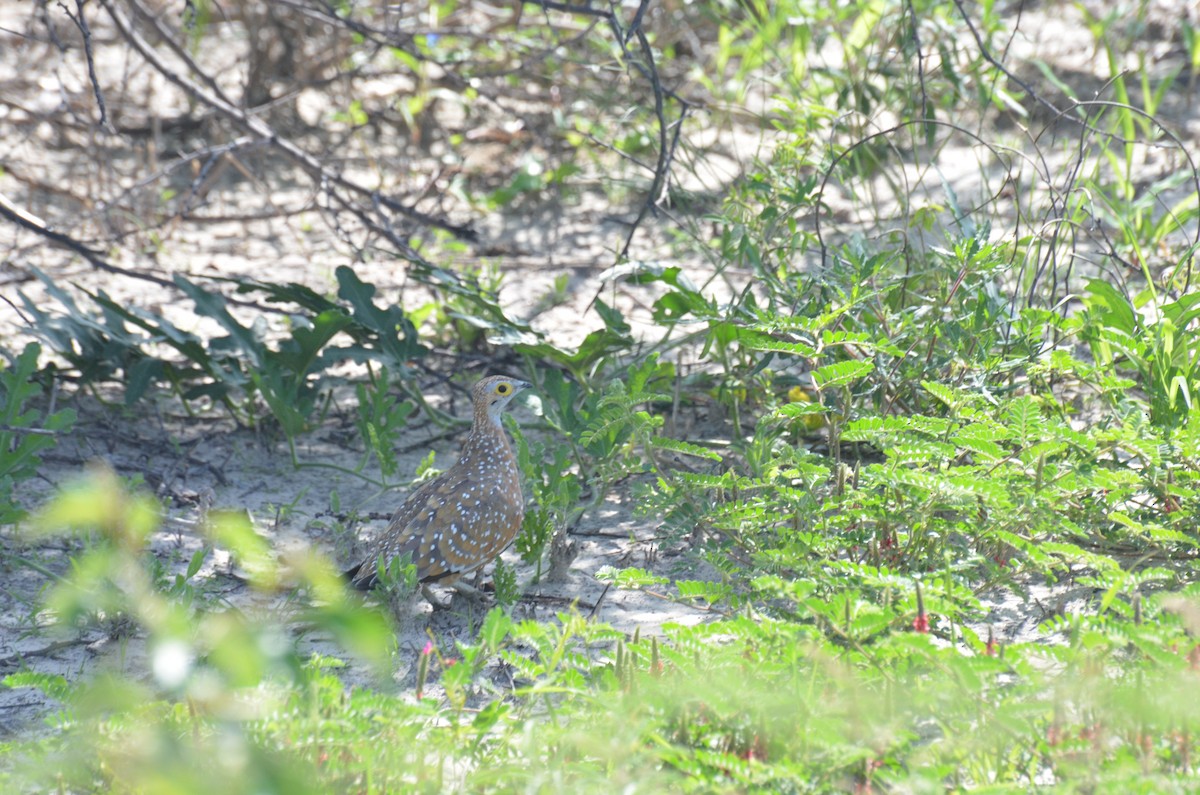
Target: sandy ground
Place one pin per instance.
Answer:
(183, 458)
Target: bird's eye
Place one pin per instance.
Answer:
(503, 389)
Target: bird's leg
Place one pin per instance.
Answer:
(470, 592)
(438, 604)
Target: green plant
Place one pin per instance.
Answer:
(398, 582)
(202, 662)
(504, 579)
(595, 352)
(380, 417)
(1158, 341)
(467, 305)
(556, 497)
(247, 363)
(24, 432)
(455, 318)
(530, 179)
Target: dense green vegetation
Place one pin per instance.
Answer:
(917, 400)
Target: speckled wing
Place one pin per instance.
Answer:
(395, 540)
(490, 518)
(450, 526)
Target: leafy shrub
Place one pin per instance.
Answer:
(24, 432)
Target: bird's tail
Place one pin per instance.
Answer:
(361, 583)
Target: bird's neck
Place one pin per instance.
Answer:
(487, 439)
(485, 421)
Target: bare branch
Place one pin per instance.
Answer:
(81, 23)
(259, 128)
(36, 225)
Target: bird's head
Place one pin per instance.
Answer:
(493, 393)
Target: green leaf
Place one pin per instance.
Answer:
(758, 341)
(1109, 307)
(980, 440)
(943, 393)
(234, 531)
(1024, 420)
(19, 450)
(711, 592)
(211, 304)
(495, 628)
(686, 448)
(629, 577)
(871, 428)
(196, 562)
(395, 333)
(365, 632)
(55, 686)
(801, 409)
(841, 373)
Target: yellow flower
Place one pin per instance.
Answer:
(799, 394)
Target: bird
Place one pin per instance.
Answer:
(460, 521)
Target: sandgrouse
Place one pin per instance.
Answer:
(464, 518)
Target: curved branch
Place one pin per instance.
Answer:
(259, 128)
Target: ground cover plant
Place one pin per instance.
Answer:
(906, 404)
